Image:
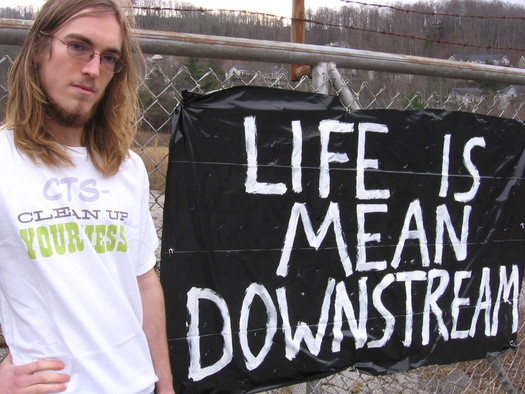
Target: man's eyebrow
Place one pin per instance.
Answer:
(84, 39)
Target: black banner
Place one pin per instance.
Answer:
(300, 239)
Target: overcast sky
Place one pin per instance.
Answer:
(276, 7)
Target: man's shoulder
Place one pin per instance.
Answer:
(5, 132)
(134, 158)
(133, 163)
(12, 158)
(133, 155)
(6, 137)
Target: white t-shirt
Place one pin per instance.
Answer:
(72, 243)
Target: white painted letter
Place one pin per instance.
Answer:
(364, 237)
(443, 220)
(357, 327)
(252, 361)
(457, 302)
(196, 372)
(362, 164)
(414, 211)
(484, 302)
(445, 167)
(467, 160)
(505, 286)
(332, 216)
(408, 278)
(297, 157)
(326, 127)
(378, 304)
(252, 185)
(431, 300)
(303, 331)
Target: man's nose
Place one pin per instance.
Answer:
(92, 67)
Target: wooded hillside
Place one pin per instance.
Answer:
(423, 28)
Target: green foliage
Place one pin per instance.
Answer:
(413, 101)
(201, 72)
(489, 88)
(429, 44)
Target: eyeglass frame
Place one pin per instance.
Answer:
(118, 66)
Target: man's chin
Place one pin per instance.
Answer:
(70, 118)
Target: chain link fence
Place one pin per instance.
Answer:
(160, 93)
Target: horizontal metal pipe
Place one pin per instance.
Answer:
(183, 44)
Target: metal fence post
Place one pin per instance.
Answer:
(313, 387)
(320, 78)
(496, 365)
(343, 91)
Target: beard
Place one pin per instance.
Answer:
(69, 117)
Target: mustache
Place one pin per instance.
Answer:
(86, 84)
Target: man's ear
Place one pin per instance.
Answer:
(42, 49)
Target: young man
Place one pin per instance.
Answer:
(81, 307)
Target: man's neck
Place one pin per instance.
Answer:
(66, 135)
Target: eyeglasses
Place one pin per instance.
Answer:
(82, 52)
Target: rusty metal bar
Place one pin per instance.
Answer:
(298, 21)
(183, 44)
(298, 36)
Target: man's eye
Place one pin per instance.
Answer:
(109, 59)
(77, 47)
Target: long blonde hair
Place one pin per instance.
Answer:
(109, 134)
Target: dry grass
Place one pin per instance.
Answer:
(156, 161)
(150, 138)
(153, 149)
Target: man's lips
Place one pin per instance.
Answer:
(85, 89)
